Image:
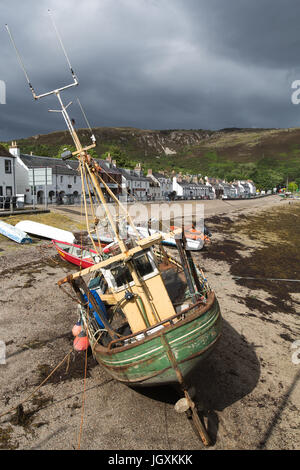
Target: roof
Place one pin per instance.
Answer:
(133, 177)
(5, 153)
(59, 166)
(160, 175)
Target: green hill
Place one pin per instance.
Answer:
(259, 154)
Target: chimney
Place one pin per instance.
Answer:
(114, 162)
(14, 149)
(108, 158)
(138, 169)
(149, 172)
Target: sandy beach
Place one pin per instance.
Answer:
(248, 389)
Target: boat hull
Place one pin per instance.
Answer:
(45, 231)
(83, 263)
(15, 234)
(147, 362)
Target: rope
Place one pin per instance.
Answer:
(266, 279)
(37, 389)
(83, 399)
(85, 374)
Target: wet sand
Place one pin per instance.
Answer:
(248, 388)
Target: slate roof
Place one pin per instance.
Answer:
(61, 167)
(58, 166)
(133, 177)
(160, 175)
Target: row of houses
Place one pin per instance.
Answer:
(39, 180)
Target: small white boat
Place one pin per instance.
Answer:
(45, 231)
(14, 233)
(191, 245)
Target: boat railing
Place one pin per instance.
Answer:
(143, 334)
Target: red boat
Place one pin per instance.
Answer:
(76, 254)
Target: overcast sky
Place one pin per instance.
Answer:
(152, 64)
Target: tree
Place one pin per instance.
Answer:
(292, 187)
(116, 153)
(267, 179)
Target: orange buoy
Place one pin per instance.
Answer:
(77, 328)
(81, 342)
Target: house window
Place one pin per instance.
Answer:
(8, 191)
(74, 179)
(61, 179)
(7, 166)
(1, 191)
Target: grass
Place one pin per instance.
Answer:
(55, 220)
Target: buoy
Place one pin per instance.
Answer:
(81, 342)
(77, 328)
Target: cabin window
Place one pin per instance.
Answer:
(121, 275)
(143, 265)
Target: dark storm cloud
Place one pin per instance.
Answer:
(153, 63)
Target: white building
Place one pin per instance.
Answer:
(135, 185)
(165, 184)
(7, 174)
(63, 183)
(192, 190)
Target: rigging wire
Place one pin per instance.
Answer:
(86, 120)
(61, 43)
(19, 59)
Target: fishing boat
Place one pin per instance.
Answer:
(14, 233)
(149, 318)
(45, 231)
(76, 254)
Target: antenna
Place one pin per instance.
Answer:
(56, 92)
(62, 46)
(36, 97)
(20, 62)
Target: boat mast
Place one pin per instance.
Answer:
(81, 152)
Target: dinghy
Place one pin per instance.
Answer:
(15, 234)
(76, 254)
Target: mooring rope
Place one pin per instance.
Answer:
(266, 279)
(37, 389)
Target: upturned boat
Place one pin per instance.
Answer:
(45, 231)
(14, 233)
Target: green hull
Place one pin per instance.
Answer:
(147, 362)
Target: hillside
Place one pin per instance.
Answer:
(226, 153)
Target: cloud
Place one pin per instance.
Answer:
(153, 64)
